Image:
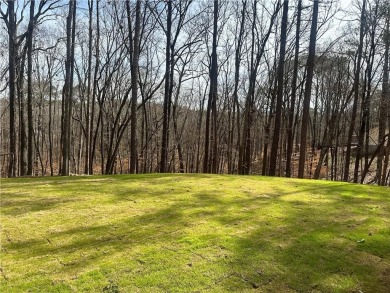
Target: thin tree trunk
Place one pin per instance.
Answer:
(22, 123)
(267, 127)
(12, 92)
(365, 119)
(294, 87)
(67, 93)
(384, 106)
(307, 95)
(134, 47)
(29, 90)
(167, 100)
(356, 94)
(236, 105)
(213, 92)
(92, 136)
(244, 163)
(50, 116)
(245, 148)
(279, 94)
(88, 117)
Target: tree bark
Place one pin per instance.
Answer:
(30, 142)
(356, 94)
(88, 116)
(294, 87)
(12, 92)
(20, 67)
(384, 106)
(167, 99)
(279, 94)
(307, 95)
(213, 95)
(134, 46)
(68, 89)
(236, 106)
(245, 148)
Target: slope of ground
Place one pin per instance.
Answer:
(193, 233)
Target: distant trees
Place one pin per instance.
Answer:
(258, 47)
(247, 87)
(20, 48)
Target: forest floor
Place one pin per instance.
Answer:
(193, 233)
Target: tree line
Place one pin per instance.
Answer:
(281, 88)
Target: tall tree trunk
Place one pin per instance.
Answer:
(384, 106)
(363, 124)
(50, 116)
(68, 89)
(30, 142)
(294, 87)
(174, 120)
(213, 95)
(244, 163)
(199, 135)
(12, 91)
(307, 95)
(93, 132)
(279, 94)
(356, 94)
(268, 118)
(385, 173)
(245, 148)
(206, 153)
(366, 101)
(21, 60)
(210, 160)
(88, 116)
(236, 106)
(134, 47)
(72, 54)
(167, 99)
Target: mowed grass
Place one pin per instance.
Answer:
(193, 233)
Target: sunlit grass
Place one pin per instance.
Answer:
(193, 233)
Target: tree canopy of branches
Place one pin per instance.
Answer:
(292, 88)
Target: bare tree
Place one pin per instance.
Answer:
(356, 85)
(294, 87)
(260, 44)
(279, 94)
(383, 155)
(134, 59)
(12, 79)
(307, 95)
(68, 88)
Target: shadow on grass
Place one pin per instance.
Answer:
(273, 242)
(28, 204)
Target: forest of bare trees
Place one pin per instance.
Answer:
(295, 88)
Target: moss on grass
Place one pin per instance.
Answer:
(193, 233)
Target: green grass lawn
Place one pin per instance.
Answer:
(193, 233)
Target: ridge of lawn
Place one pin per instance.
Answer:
(193, 233)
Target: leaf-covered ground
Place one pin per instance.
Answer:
(193, 233)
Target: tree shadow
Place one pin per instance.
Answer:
(28, 204)
(271, 241)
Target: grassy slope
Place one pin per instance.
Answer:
(193, 233)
